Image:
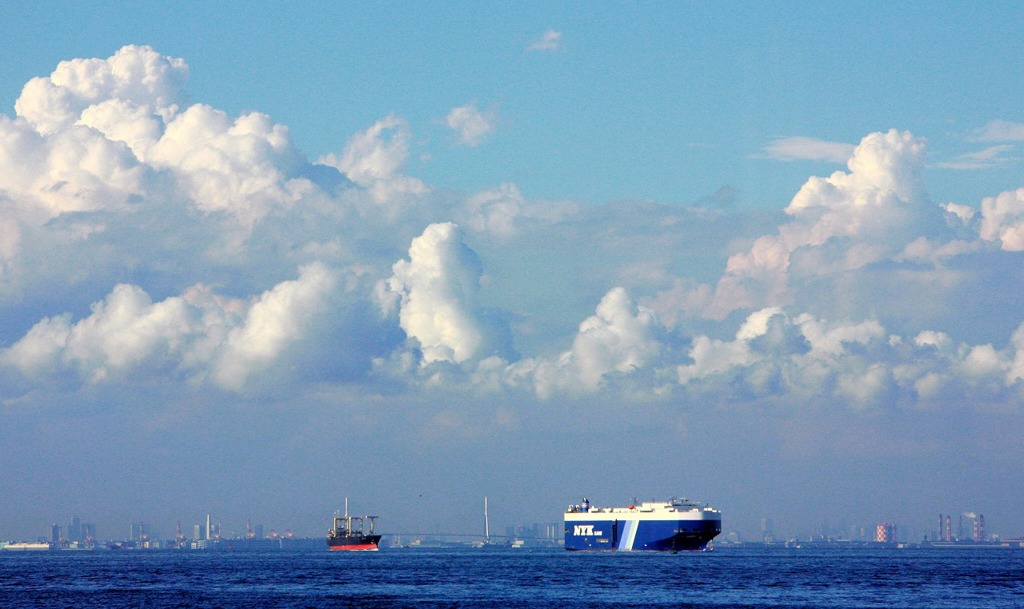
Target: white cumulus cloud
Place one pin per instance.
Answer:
(138, 75)
(276, 319)
(1003, 220)
(470, 124)
(197, 335)
(620, 338)
(870, 213)
(74, 169)
(436, 290)
(853, 364)
(503, 211)
(114, 184)
(118, 134)
(376, 158)
(236, 166)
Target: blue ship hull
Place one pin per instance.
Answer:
(638, 535)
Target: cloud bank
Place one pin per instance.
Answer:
(147, 238)
(198, 336)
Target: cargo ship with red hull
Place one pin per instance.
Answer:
(348, 533)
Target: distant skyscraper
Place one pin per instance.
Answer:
(75, 532)
(55, 533)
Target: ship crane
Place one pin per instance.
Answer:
(347, 532)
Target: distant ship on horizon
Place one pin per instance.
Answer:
(674, 525)
(347, 533)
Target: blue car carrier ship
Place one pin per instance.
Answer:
(676, 525)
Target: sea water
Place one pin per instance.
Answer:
(727, 577)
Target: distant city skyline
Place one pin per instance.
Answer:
(768, 257)
(951, 529)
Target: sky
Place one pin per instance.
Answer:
(258, 259)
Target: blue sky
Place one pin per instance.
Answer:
(669, 103)
(737, 247)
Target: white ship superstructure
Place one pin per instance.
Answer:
(672, 525)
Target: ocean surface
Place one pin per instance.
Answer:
(727, 577)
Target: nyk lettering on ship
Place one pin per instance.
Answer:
(585, 529)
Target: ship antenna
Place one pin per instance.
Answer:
(346, 507)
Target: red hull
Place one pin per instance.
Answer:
(355, 547)
(347, 534)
